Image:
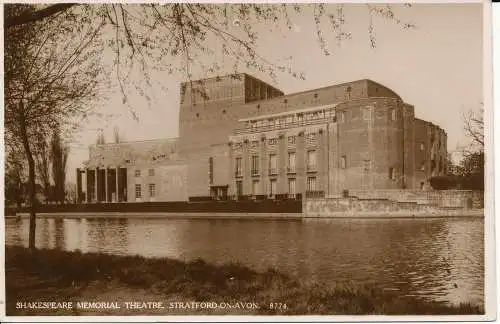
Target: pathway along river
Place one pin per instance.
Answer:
(441, 259)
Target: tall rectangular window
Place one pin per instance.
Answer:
(273, 164)
(138, 192)
(255, 187)
(291, 162)
(239, 167)
(341, 117)
(211, 170)
(367, 113)
(151, 172)
(239, 188)
(343, 162)
(152, 190)
(291, 186)
(311, 160)
(311, 184)
(367, 165)
(393, 114)
(272, 187)
(255, 165)
(392, 174)
(137, 173)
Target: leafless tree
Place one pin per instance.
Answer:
(42, 163)
(59, 158)
(15, 176)
(51, 73)
(474, 127)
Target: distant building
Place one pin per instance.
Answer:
(239, 136)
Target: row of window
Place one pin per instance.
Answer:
(292, 139)
(151, 190)
(340, 117)
(272, 186)
(311, 163)
(151, 173)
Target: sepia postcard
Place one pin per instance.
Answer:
(277, 162)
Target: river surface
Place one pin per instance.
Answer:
(439, 259)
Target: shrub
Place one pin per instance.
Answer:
(442, 183)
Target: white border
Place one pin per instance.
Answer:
(491, 285)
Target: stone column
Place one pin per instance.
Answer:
(282, 152)
(247, 165)
(320, 160)
(264, 165)
(78, 184)
(96, 183)
(106, 189)
(300, 164)
(87, 184)
(117, 194)
(231, 190)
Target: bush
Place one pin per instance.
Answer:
(442, 183)
(473, 182)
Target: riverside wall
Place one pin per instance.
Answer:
(352, 207)
(440, 198)
(375, 204)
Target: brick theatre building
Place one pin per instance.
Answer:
(240, 137)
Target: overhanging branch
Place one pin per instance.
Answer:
(37, 15)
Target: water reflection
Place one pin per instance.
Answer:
(440, 259)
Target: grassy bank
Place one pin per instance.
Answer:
(51, 275)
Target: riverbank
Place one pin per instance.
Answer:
(438, 213)
(52, 275)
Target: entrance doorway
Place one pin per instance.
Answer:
(219, 192)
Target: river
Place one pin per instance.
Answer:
(440, 259)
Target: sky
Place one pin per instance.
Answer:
(436, 66)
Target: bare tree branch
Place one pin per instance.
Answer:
(41, 14)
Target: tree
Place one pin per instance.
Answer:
(59, 156)
(51, 74)
(474, 128)
(472, 171)
(471, 168)
(14, 177)
(42, 161)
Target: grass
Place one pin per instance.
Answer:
(53, 275)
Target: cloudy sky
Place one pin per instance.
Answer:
(437, 67)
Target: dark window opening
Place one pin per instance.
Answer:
(211, 170)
